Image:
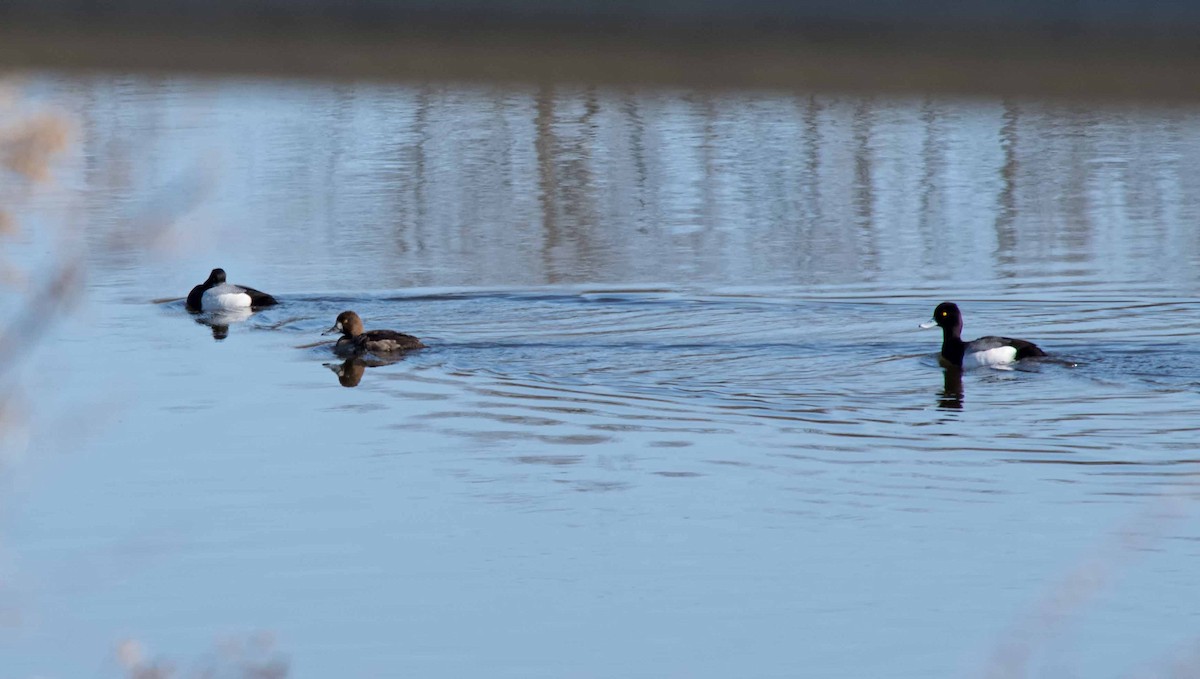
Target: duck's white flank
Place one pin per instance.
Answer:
(225, 297)
(989, 357)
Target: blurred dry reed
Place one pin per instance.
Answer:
(30, 144)
(251, 657)
(30, 141)
(1034, 634)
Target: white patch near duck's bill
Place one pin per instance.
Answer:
(224, 297)
(996, 356)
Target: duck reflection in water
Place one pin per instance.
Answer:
(951, 395)
(219, 321)
(350, 372)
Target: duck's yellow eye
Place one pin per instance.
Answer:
(944, 313)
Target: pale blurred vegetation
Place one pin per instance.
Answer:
(252, 657)
(31, 141)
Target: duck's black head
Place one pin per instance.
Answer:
(948, 317)
(217, 277)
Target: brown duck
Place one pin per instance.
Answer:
(355, 341)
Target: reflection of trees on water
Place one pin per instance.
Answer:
(567, 190)
(562, 184)
(1006, 206)
(865, 184)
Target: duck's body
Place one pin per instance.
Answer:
(355, 340)
(215, 294)
(377, 342)
(988, 351)
(985, 351)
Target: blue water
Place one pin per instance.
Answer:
(675, 418)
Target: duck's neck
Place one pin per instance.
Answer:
(953, 347)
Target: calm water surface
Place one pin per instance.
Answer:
(675, 420)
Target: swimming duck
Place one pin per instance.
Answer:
(355, 341)
(215, 294)
(976, 353)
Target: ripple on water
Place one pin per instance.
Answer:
(822, 379)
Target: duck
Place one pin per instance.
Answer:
(215, 294)
(985, 351)
(355, 341)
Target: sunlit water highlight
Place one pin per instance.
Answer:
(675, 417)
